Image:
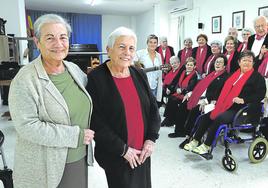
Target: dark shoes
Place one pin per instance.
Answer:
(176, 135)
(186, 141)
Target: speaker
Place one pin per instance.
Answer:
(200, 25)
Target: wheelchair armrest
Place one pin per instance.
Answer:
(238, 114)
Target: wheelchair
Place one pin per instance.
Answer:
(6, 173)
(228, 134)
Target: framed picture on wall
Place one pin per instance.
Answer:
(238, 20)
(216, 24)
(263, 11)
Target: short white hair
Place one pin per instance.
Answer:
(163, 38)
(50, 18)
(118, 32)
(259, 17)
(174, 59)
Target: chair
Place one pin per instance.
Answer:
(6, 173)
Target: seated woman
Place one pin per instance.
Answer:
(205, 92)
(187, 81)
(176, 69)
(243, 87)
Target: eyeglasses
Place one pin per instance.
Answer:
(245, 34)
(219, 61)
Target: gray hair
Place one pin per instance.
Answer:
(50, 18)
(216, 42)
(174, 59)
(232, 29)
(259, 17)
(247, 29)
(118, 32)
(188, 39)
(163, 38)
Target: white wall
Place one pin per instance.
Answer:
(111, 22)
(204, 10)
(14, 12)
(145, 25)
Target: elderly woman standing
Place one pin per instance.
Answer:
(201, 52)
(246, 33)
(125, 115)
(51, 112)
(186, 52)
(209, 67)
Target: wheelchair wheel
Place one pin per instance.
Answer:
(258, 150)
(229, 163)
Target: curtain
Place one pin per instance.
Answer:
(86, 28)
(180, 31)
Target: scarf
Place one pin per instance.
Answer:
(201, 87)
(229, 92)
(258, 37)
(228, 67)
(183, 83)
(240, 47)
(263, 65)
(200, 58)
(167, 56)
(170, 76)
(184, 79)
(185, 55)
(208, 63)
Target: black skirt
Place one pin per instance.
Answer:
(121, 175)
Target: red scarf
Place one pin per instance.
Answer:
(229, 92)
(185, 55)
(170, 76)
(258, 37)
(263, 65)
(201, 87)
(200, 58)
(211, 58)
(240, 47)
(167, 56)
(228, 67)
(184, 79)
(183, 83)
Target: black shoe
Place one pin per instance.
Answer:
(186, 141)
(175, 135)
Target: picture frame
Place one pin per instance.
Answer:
(216, 24)
(263, 11)
(238, 20)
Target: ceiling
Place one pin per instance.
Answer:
(117, 7)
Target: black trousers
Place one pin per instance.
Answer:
(190, 122)
(171, 109)
(121, 175)
(206, 124)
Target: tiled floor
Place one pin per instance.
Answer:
(174, 168)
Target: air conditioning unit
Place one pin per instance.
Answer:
(180, 6)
